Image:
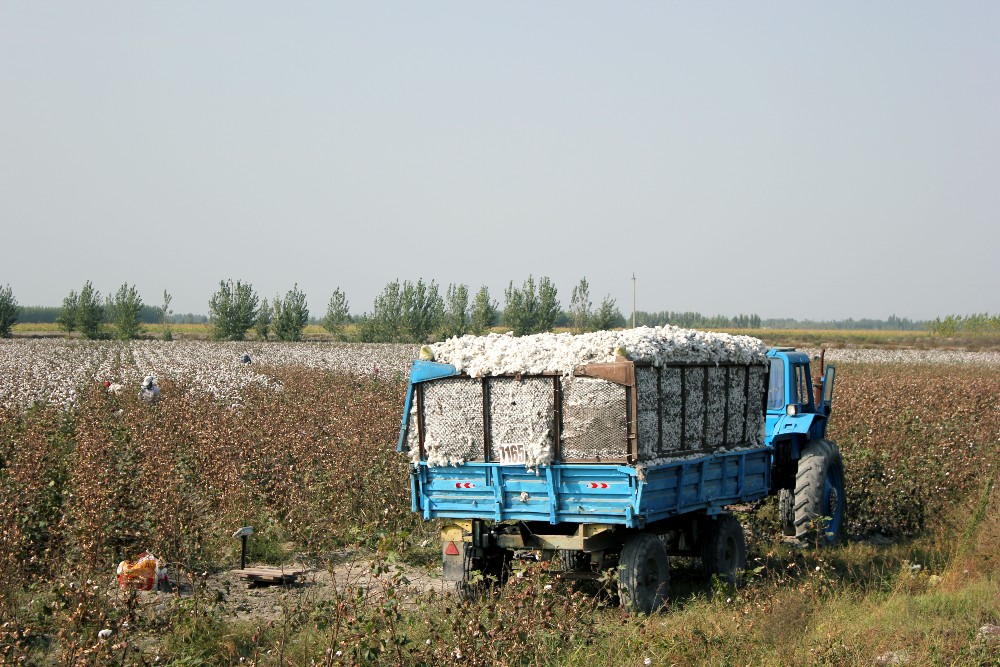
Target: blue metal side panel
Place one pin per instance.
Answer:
(708, 483)
(421, 371)
(597, 494)
(588, 493)
(457, 492)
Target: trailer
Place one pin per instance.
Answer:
(623, 460)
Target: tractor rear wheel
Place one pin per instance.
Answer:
(786, 512)
(819, 493)
(644, 576)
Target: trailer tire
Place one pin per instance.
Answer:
(480, 574)
(819, 492)
(644, 573)
(786, 512)
(471, 585)
(724, 551)
(574, 561)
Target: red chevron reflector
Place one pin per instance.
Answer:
(464, 485)
(451, 549)
(598, 485)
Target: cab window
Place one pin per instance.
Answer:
(776, 385)
(803, 385)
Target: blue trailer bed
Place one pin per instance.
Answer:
(631, 496)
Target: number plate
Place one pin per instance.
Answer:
(511, 454)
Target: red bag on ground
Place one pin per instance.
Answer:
(139, 573)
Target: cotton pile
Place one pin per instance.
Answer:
(505, 354)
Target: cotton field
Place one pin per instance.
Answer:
(53, 371)
(938, 357)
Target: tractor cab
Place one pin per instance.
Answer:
(796, 406)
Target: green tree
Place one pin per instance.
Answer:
(337, 314)
(89, 312)
(384, 323)
(232, 310)
(548, 306)
(9, 310)
(608, 316)
(528, 311)
(579, 307)
(423, 310)
(262, 324)
(484, 312)
(67, 314)
(291, 314)
(407, 312)
(123, 309)
(521, 310)
(457, 312)
(165, 314)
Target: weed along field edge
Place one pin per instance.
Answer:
(300, 444)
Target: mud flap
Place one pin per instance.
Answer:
(453, 565)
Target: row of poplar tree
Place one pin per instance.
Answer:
(403, 312)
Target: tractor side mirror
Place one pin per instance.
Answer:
(828, 380)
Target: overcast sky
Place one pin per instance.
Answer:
(790, 159)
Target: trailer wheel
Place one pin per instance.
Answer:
(819, 492)
(480, 574)
(724, 551)
(786, 512)
(470, 587)
(644, 573)
(574, 561)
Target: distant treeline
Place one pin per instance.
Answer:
(695, 320)
(965, 325)
(420, 311)
(893, 323)
(147, 315)
(692, 320)
(950, 325)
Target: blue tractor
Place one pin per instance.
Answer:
(808, 470)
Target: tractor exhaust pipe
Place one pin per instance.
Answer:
(818, 382)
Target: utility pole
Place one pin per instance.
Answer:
(633, 301)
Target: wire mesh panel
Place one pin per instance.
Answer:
(738, 385)
(694, 408)
(648, 418)
(755, 413)
(697, 408)
(521, 419)
(453, 419)
(594, 420)
(670, 404)
(715, 408)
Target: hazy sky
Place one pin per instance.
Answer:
(800, 159)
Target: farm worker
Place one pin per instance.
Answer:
(149, 392)
(246, 358)
(113, 387)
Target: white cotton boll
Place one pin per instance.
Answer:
(542, 353)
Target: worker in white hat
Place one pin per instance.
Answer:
(149, 391)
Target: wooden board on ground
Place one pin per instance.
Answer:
(266, 574)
